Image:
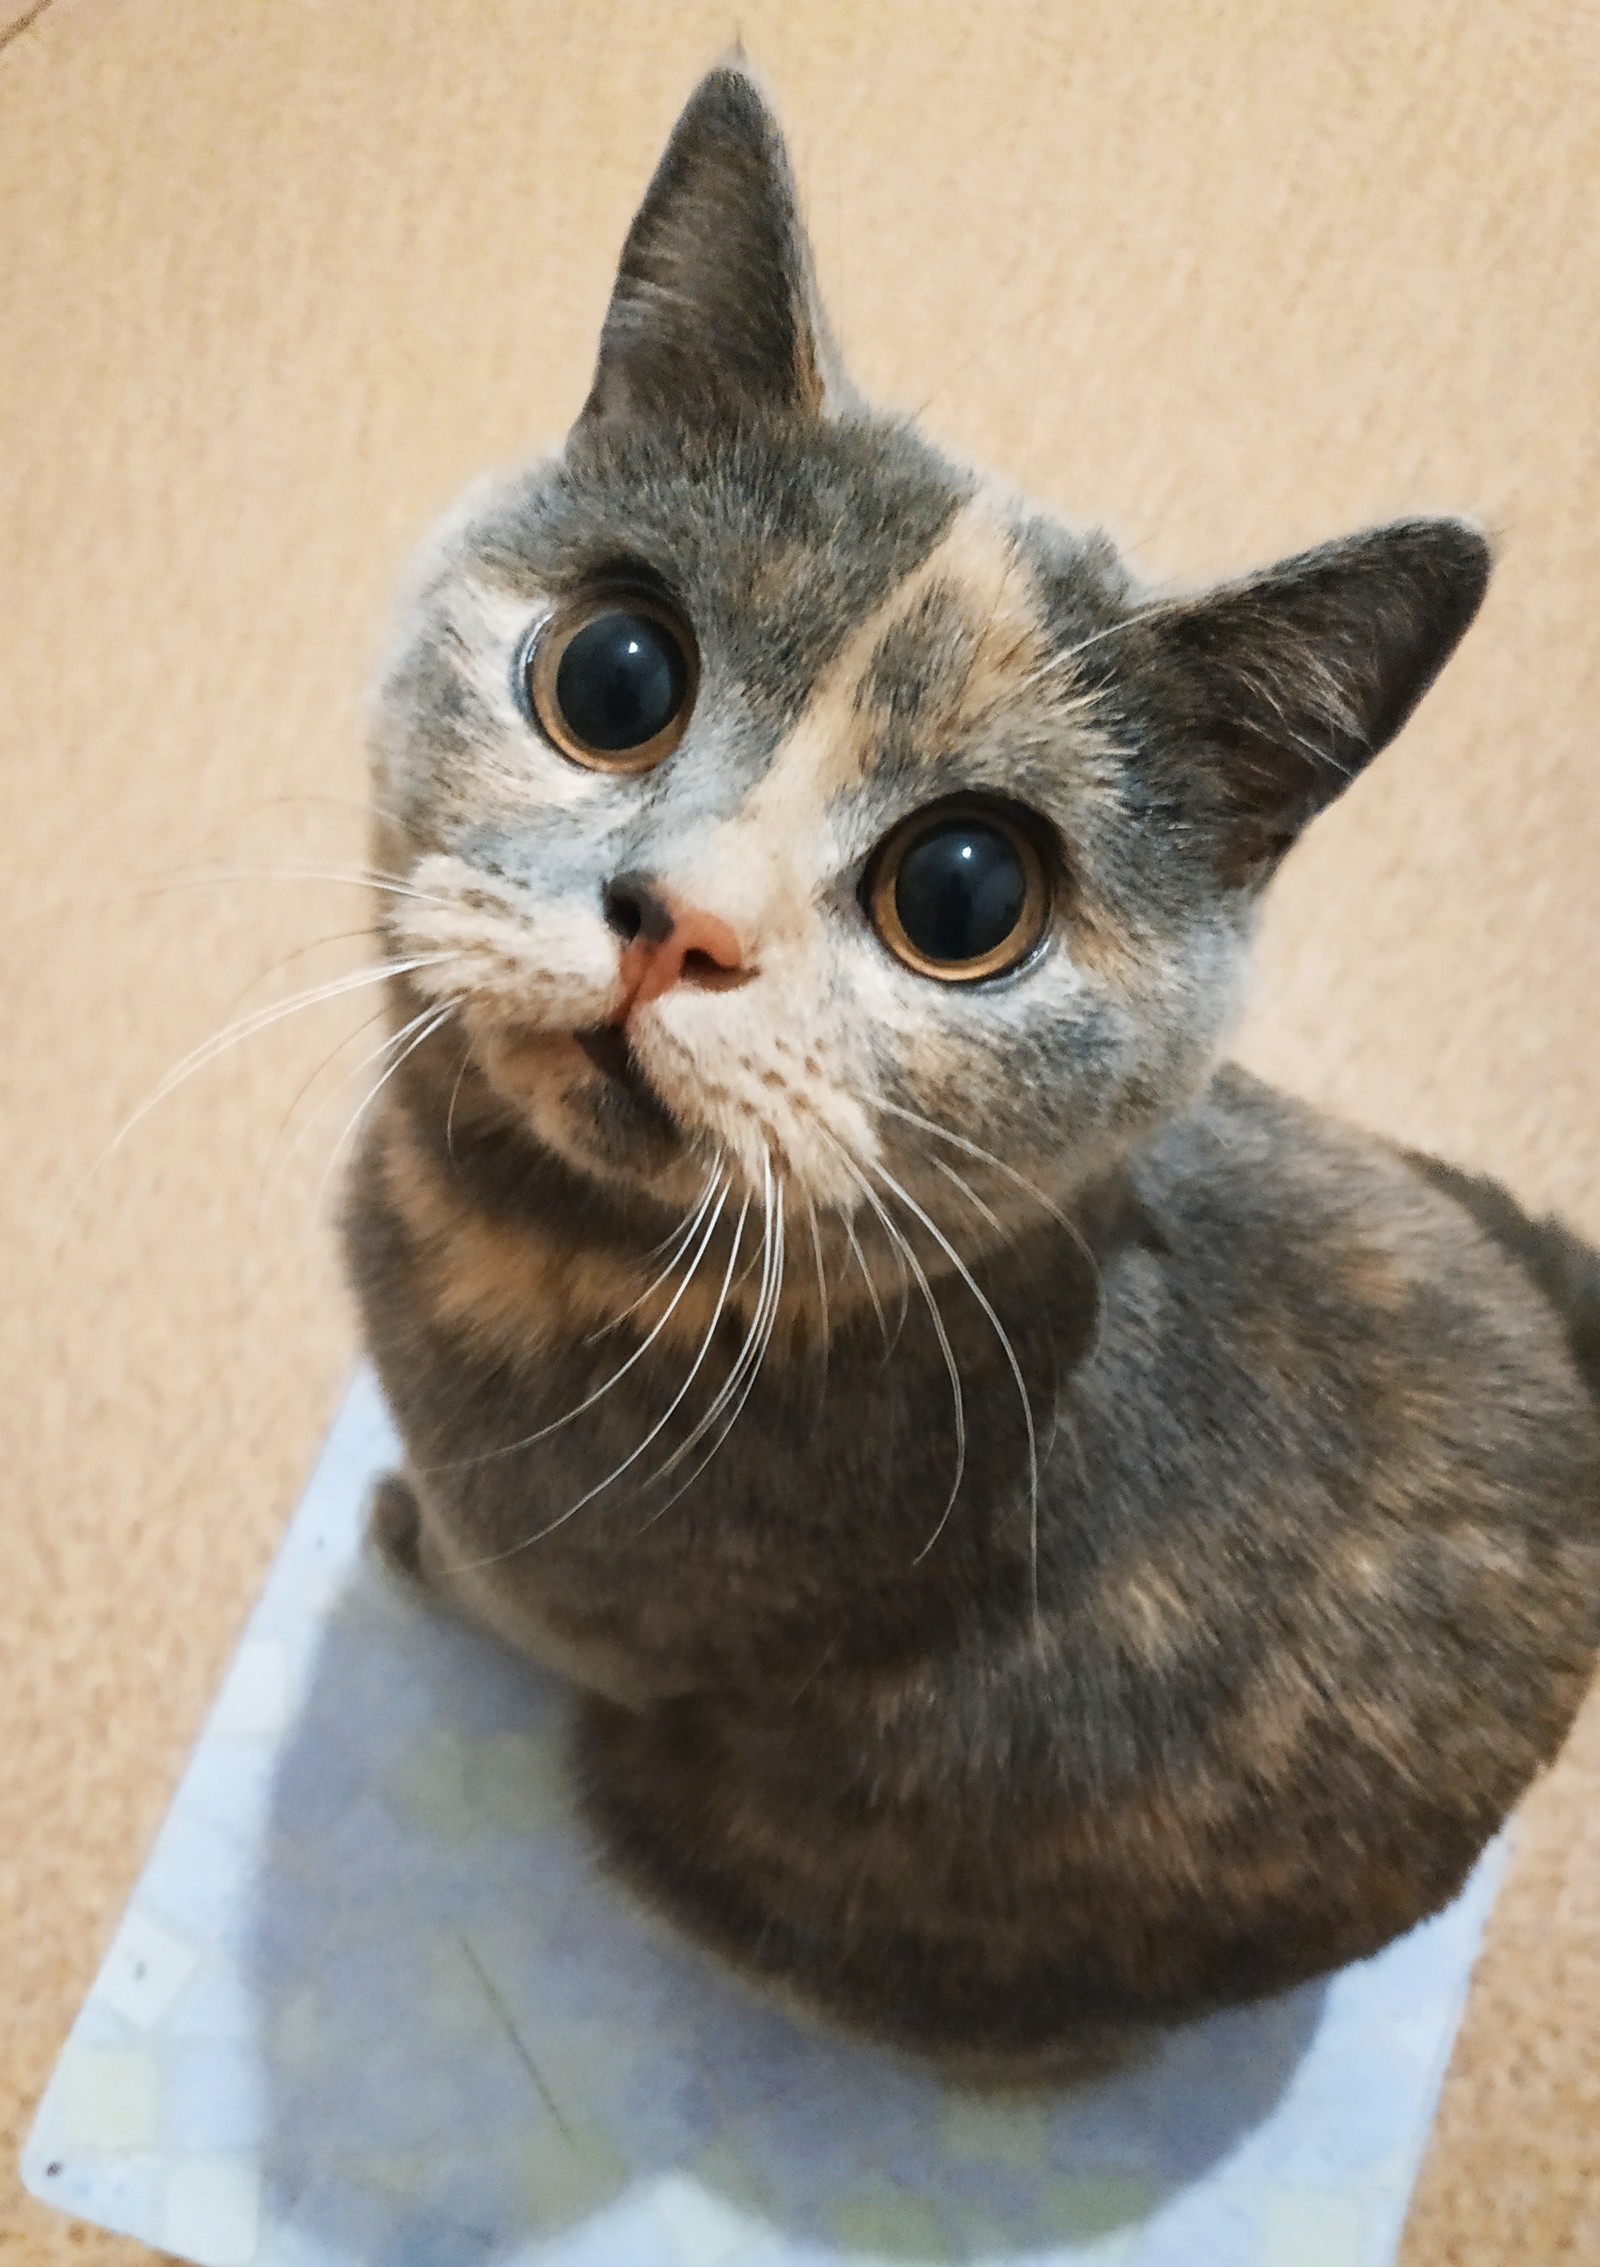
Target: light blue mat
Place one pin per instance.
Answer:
(374, 2003)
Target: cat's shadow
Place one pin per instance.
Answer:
(473, 2045)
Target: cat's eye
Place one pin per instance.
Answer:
(960, 892)
(611, 681)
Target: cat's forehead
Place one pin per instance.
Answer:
(864, 603)
(778, 546)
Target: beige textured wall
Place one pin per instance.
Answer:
(275, 278)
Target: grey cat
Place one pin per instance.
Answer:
(1049, 1534)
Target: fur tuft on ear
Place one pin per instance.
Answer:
(714, 314)
(1261, 701)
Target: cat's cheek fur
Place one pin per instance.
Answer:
(763, 1083)
(985, 1063)
(513, 957)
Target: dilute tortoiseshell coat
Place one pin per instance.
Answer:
(1308, 1587)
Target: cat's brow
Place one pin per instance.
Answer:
(949, 634)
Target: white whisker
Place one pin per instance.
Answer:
(675, 1235)
(760, 1338)
(656, 1429)
(513, 1448)
(258, 1020)
(705, 1348)
(822, 1276)
(388, 885)
(967, 1277)
(679, 1241)
(730, 1384)
(391, 1039)
(450, 1113)
(968, 1191)
(898, 1242)
(1018, 1180)
(435, 1022)
(983, 1156)
(854, 1242)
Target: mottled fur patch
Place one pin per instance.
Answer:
(1016, 1497)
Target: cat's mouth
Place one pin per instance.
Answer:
(627, 1090)
(587, 1092)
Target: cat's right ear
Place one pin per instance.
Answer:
(714, 316)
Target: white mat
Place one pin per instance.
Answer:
(373, 2003)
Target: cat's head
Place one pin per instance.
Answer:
(770, 794)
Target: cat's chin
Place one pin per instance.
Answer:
(585, 1096)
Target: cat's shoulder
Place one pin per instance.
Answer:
(1244, 1147)
(1258, 1184)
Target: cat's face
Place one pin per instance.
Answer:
(771, 796)
(877, 699)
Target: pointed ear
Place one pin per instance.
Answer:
(714, 314)
(1271, 694)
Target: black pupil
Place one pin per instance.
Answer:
(960, 891)
(621, 680)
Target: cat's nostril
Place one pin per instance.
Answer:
(712, 975)
(634, 908)
(622, 912)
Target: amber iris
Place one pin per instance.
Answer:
(960, 893)
(612, 682)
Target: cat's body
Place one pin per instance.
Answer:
(1112, 1542)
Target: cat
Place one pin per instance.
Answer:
(1048, 1533)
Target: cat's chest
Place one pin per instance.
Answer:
(741, 1552)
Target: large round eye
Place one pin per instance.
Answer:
(612, 680)
(960, 892)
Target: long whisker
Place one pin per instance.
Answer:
(258, 1020)
(680, 1239)
(768, 1320)
(854, 1242)
(731, 1383)
(299, 952)
(450, 1113)
(262, 1019)
(1059, 1405)
(983, 1156)
(656, 1429)
(967, 1277)
(513, 1448)
(957, 1403)
(675, 1235)
(388, 885)
(376, 1054)
(1018, 1180)
(435, 1022)
(822, 1278)
(337, 1049)
(897, 1252)
(705, 1348)
(968, 1191)
(367, 806)
(761, 1336)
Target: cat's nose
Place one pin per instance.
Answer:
(665, 942)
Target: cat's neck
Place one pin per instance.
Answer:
(531, 1254)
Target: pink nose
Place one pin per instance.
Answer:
(664, 943)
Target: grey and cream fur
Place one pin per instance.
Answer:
(1047, 1532)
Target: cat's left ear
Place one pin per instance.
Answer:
(714, 315)
(1261, 701)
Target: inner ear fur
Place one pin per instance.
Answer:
(1266, 697)
(714, 314)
